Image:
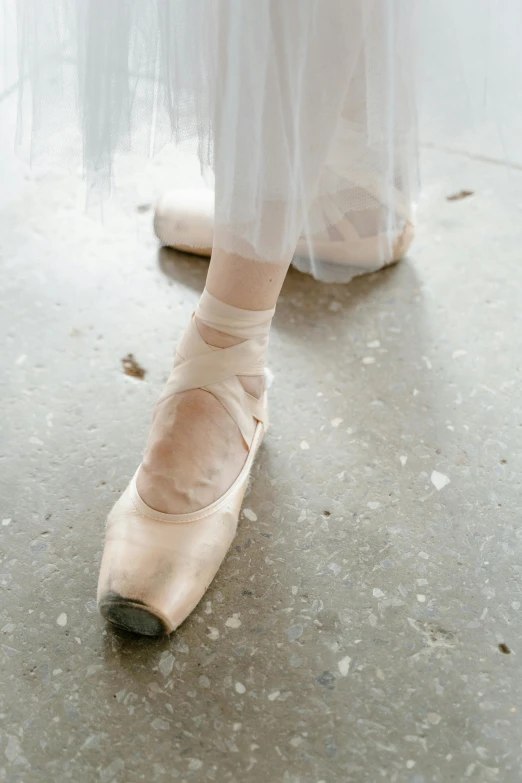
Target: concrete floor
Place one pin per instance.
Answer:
(376, 600)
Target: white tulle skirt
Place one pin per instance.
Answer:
(304, 111)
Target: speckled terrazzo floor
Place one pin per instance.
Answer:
(366, 625)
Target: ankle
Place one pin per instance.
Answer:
(215, 338)
(252, 384)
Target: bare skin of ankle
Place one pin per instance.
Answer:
(195, 450)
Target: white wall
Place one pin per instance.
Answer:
(470, 86)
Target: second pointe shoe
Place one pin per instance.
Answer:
(184, 220)
(156, 567)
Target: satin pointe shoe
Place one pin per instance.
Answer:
(156, 566)
(184, 220)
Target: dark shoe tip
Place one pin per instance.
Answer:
(131, 616)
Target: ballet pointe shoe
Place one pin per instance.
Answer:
(184, 220)
(156, 567)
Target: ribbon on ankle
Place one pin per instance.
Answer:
(245, 324)
(201, 366)
(235, 321)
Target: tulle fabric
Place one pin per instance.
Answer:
(303, 111)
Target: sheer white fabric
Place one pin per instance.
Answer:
(305, 111)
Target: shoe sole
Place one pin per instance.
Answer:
(133, 616)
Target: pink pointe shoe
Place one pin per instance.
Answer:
(156, 567)
(184, 220)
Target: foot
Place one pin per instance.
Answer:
(195, 450)
(164, 543)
